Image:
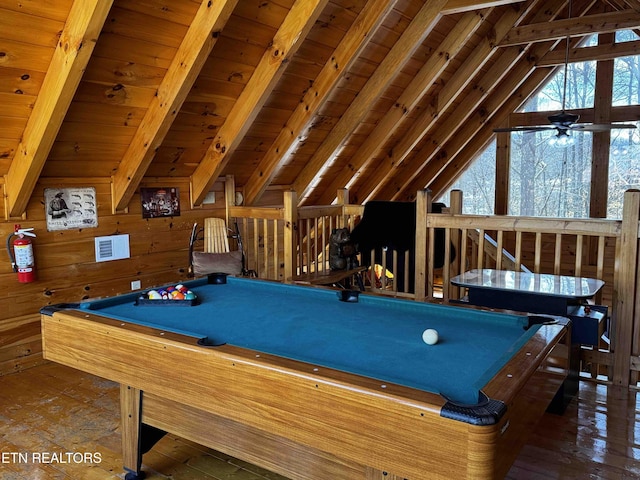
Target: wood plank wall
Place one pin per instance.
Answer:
(66, 266)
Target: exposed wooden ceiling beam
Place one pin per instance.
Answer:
(367, 187)
(287, 40)
(433, 150)
(461, 160)
(511, 92)
(434, 156)
(194, 50)
(370, 18)
(72, 53)
(540, 118)
(633, 4)
(626, 113)
(583, 54)
(618, 4)
(420, 26)
(577, 26)
(482, 53)
(464, 157)
(462, 6)
(406, 103)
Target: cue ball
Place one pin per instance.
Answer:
(430, 336)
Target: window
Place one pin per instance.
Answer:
(581, 80)
(478, 184)
(624, 168)
(549, 180)
(546, 180)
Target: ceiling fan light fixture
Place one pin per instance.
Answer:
(562, 139)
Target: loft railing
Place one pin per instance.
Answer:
(596, 248)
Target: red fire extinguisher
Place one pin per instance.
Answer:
(21, 254)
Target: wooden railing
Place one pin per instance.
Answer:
(268, 238)
(595, 248)
(313, 229)
(281, 242)
(286, 241)
(496, 253)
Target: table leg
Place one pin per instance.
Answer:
(130, 418)
(137, 437)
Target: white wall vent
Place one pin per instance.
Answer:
(113, 247)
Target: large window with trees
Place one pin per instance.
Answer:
(624, 154)
(548, 179)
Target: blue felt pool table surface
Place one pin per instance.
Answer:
(376, 337)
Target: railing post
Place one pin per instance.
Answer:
(229, 195)
(343, 199)
(451, 269)
(423, 206)
(623, 317)
(290, 221)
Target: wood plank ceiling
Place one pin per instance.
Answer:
(382, 96)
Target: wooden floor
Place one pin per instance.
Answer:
(72, 418)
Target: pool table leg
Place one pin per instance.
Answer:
(137, 437)
(130, 418)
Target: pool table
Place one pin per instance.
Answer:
(314, 383)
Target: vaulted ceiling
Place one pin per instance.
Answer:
(383, 97)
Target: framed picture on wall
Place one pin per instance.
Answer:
(160, 202)
(70, 208)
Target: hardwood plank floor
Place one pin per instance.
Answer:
(54, 410)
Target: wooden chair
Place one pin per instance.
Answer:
(216, 235)
(216, 255)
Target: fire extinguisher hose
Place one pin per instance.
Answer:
(10, 252)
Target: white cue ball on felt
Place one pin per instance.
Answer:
(430, 336)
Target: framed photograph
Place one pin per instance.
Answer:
(160, 202)
(70, 208)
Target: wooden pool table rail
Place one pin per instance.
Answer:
(302, 421)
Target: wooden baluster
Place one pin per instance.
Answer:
(557, 257)
(579, 250)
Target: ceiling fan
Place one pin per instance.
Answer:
(564, 122)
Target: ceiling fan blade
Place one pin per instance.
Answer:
(523, 129)
(602, 127)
